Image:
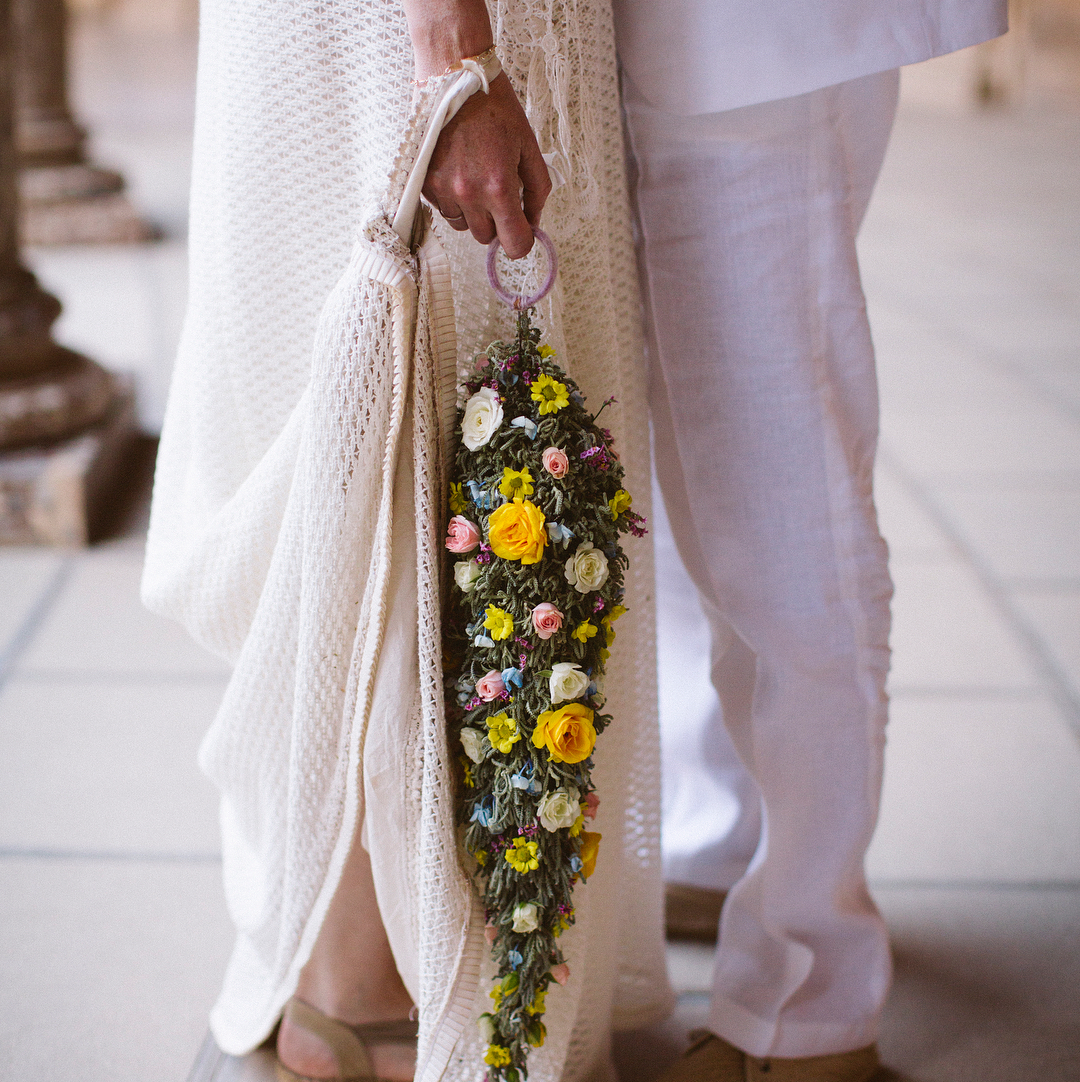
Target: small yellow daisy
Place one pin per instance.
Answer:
(516, 483)
(550, 394)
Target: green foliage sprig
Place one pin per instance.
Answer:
(538, 510)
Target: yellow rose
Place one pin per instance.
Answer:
(516, 531)
(590, 847)
(567, 733)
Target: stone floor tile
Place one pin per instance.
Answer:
(947, 634)
(909, 531)
(98, 624)
(1055, 372)
(979, 790)
(991, 330)
(690, 967)
(921, 372)
(25, 576)
(106, 766)
(213, 1065)
(1055, 617)
(983, 990)
(985, 985)
(1024, 532)
(110, 968)
(1026, 443)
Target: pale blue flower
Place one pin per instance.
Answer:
(527, 424)
(479, 496)
(484, 812)
(524, 780)
(559, 534)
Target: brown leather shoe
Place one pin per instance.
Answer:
(692, 912)
(708, 1059)
(712, 1059)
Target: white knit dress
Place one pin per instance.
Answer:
(298, 507)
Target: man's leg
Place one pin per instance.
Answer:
(765, 421)
(712, 808)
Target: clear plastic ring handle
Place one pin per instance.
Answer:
(519, 302)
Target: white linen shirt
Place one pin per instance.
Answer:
(705, 56)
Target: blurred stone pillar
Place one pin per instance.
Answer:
(64, 421)
(66, 199)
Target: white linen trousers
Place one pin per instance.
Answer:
(765, 420)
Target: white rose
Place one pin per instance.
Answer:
(526, 917)
(560, 808)
(466, 572)
(567, 682)
(472, 740)
(483, 415)
(486, 1024)
(587, 569)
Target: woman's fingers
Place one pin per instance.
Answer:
(485, 164)
(515, 233)
(480, 223)
(535, 181)
(455, 219)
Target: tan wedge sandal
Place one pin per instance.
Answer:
(348, 1043)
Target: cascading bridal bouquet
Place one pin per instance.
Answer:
(537, 509)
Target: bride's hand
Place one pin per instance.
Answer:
(487, 174)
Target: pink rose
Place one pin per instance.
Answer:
(546, 619)
(591, 802)
(555, 462)
(462, 535)
(490, 685)
(490, 932)
(561, 972)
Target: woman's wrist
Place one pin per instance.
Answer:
(445, 31)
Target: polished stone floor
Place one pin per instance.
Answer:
(112, 928)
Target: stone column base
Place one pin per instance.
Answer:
(78, 204)
(59, 494)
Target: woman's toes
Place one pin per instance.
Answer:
(301, 1051)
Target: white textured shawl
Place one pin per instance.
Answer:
(299, 503)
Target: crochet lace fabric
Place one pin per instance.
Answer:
(298, 506)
